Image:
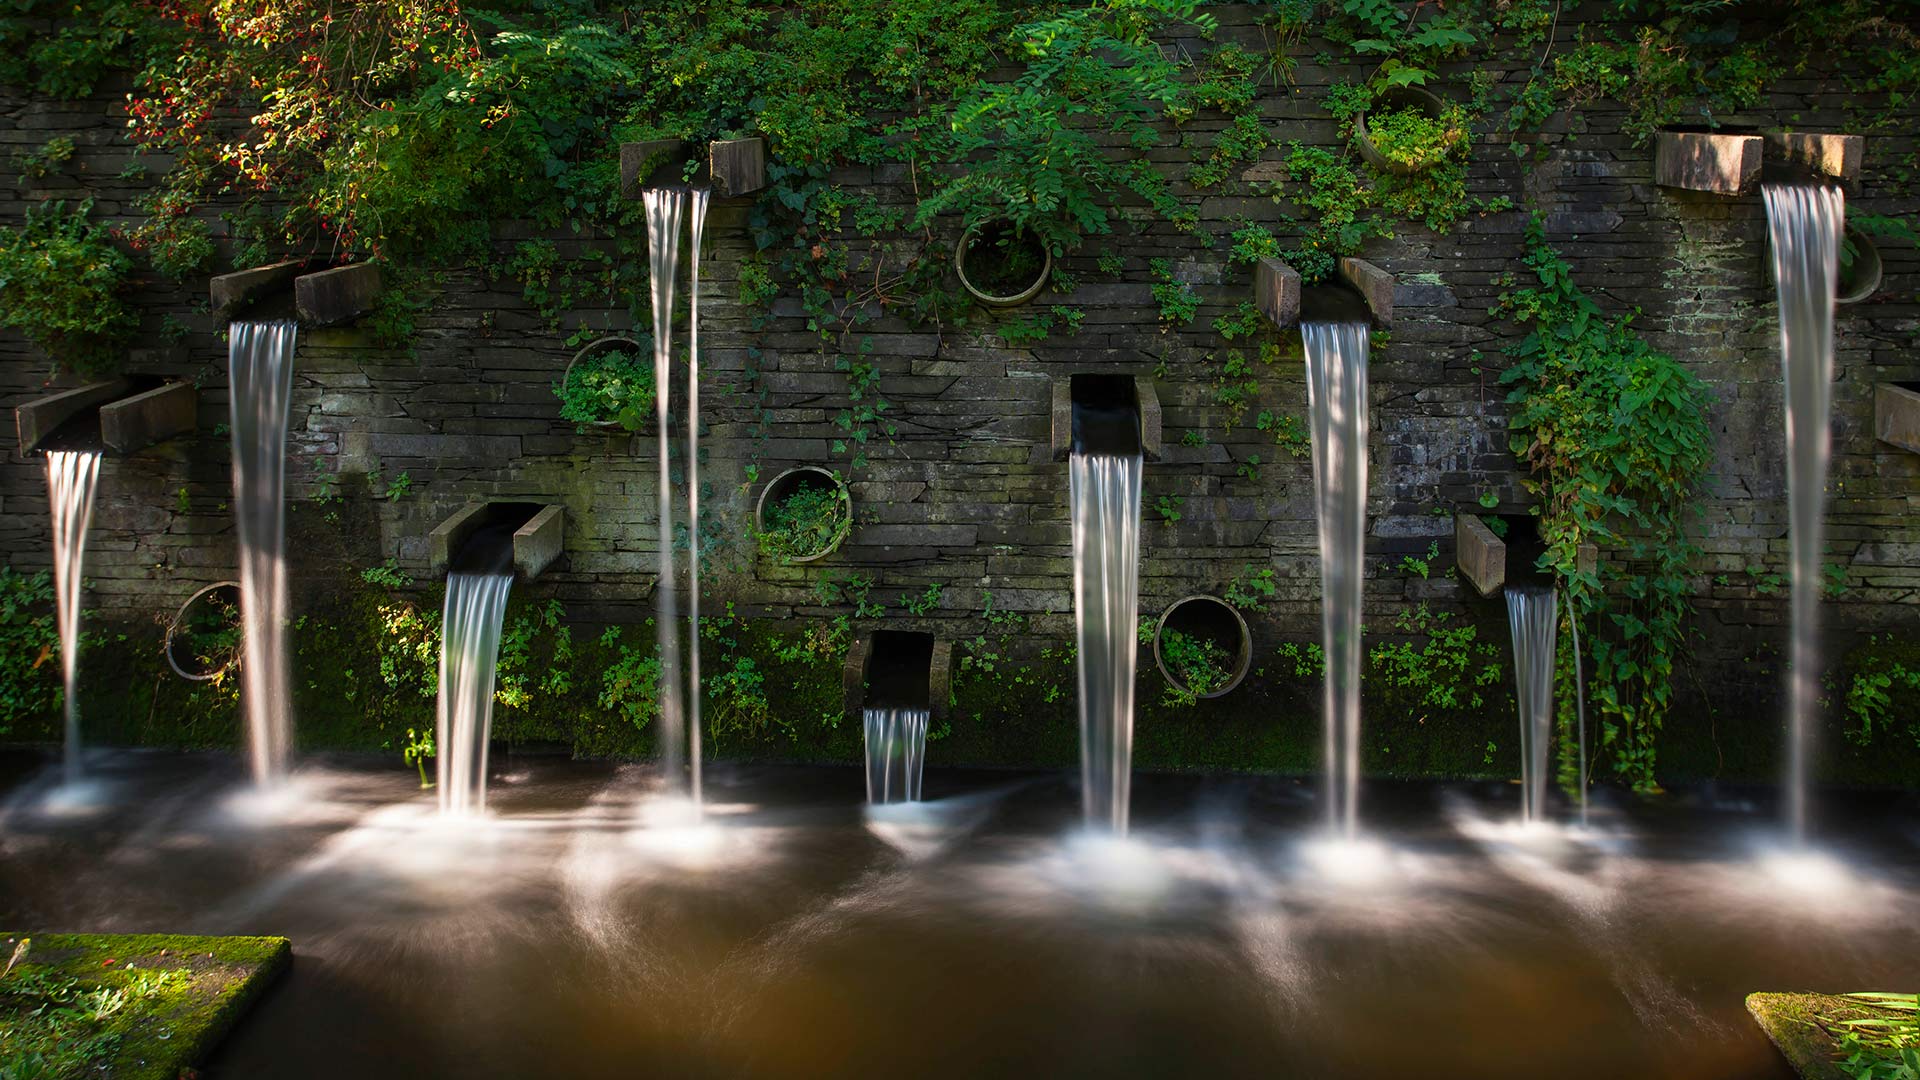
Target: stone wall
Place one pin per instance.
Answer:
(965, 493)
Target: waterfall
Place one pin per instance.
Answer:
(71, 475)
(260, 370)
(896, 752)
(1103, 497)
(1804, 223)
(1336, 355)
(666, 211)
(1532, 616)
(470, 623)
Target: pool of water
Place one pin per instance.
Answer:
(590, 928)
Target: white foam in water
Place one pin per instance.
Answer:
(260, 371)
(896, 742)
(1530, 617)
(1803, 225)
(71, 478)
(1103, 497)
(469, 653)
(1336, 356)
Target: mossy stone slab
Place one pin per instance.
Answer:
(1791, 1021)
(179, 1027)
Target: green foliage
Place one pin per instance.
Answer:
(1252, 243)
(1880, 1037)
(1035, 326)
(61, 281)
(1252, 588)
(417, 749)
(1170, 507)
(1196, 666)
(29, 649)
(1227, 84)
(806, 523)
(926, 603)
(1033, 143)
(1338, 209)
(1289, 432)
(1178, 302)
(43, 161)
(1409, 138)
(1615, 438)
(536, 651)
(1883, 692)
(630, 684)
(613, 385)
(1421, 566)
(1449, 669)
(57, 1024)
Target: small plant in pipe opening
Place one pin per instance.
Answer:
(1196, 666)
(609, 384)
(208, 635)
(806, 522)
(1401, 129)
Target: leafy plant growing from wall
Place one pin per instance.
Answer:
(613, 386)
(1616, 442)
(805, 523)
(61, 284)
(1032, 145)
(29, 649)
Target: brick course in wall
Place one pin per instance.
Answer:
(965, 494)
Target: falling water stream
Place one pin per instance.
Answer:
(1103, 498)
(260, 370)
(1336, 356)
(896, 752)
(1532, 617)
(1804, 222)
(71, 475)
(476, 606)
(667, 211)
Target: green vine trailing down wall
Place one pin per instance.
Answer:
(1616, 441)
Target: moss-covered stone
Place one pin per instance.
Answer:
(173, 1028)
(1794, 1023)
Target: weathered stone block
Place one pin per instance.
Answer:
(451, 535)
(1896, 415)
(1838, 156)
(739, 166)
(36, 419)
(133, 423)
(1375, 286)
(1707, 161)
(1276, 291)
(642, 161)
(336, 296)
(232, 293)
(1482, 556)
(539, 542)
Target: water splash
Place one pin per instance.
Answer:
(470, 625)
(1532, 619)
(1803, 224)
(71, 477)
(896, 752)
(260, 370)
(1103, 498)
(1336, 357)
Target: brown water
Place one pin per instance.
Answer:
(785, 937)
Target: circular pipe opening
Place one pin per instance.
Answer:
(1208, 636)
(1001, 266)
(599, 348)
(1400, 98)
(203, 640)
(803, 515)
(1859, 278)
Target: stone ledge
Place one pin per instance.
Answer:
(1714, 162)
(233, 293)
(738, 166)
(1276, 291)
(1896, 415)
(1482, 556)
(134, 423)
(1374, 285)
(336, 296)
(37, 418)
(1838, 156)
